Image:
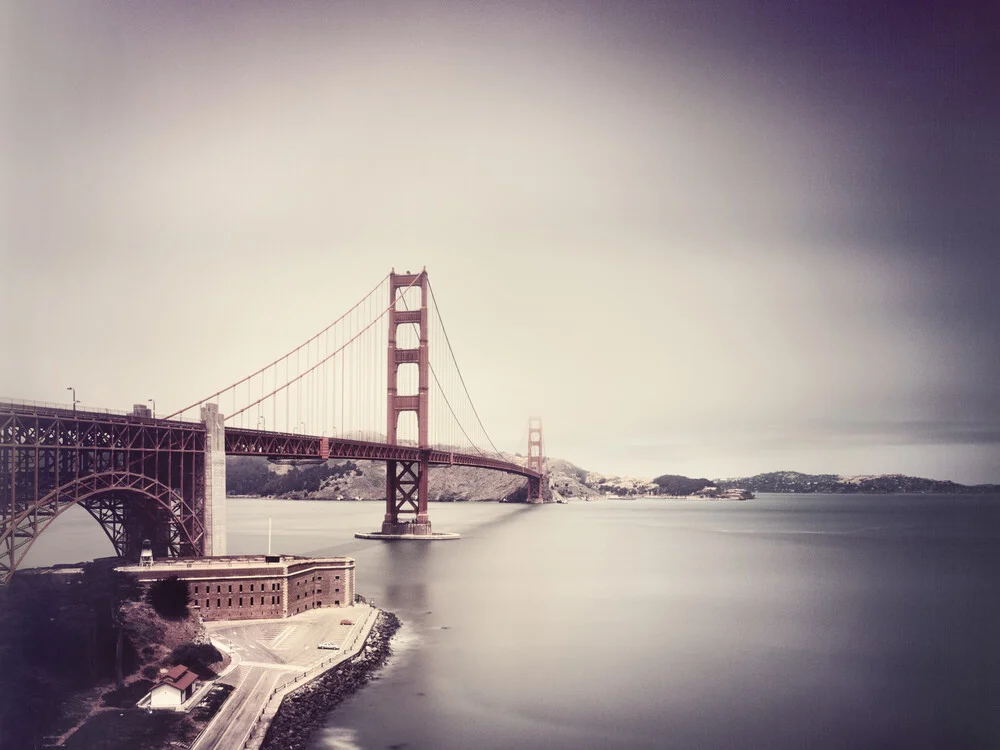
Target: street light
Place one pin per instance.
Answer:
(75, 402)
(153, 402)
(261, 422)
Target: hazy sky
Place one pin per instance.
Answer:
(708, 237)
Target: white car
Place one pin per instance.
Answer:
(328, 645)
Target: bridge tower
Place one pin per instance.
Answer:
(536, 460)
(406, 481)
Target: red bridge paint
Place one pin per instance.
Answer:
(146, 478)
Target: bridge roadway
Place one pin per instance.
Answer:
(52, 457)
(244, 442)
(108, 430)
(239, 441)
(272, 658)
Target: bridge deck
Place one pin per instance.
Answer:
(243, 442)
(132, 470)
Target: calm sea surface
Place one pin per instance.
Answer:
(809, 621)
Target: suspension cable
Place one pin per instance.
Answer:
(458, 369)
(279, 359)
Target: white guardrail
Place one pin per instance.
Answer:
(255, 735)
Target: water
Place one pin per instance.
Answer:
(784, 622)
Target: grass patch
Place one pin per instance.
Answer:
(128, 695)
(132, 728)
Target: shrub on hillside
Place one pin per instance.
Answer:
(128, 695)
(170, 598)
(250, 475)
(197, 657)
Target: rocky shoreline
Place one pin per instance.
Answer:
(307, 708)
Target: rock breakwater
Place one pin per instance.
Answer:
(307, 708)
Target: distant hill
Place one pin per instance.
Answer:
(572, 481)
(359, 480)
(365, 480)
(674, 484)
(794, 481)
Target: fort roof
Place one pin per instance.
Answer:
(280, 563)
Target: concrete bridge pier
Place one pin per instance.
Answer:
(406, 515)
(215, 481)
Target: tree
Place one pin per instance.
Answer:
(197, 657)
(674, 484)
(170, 598)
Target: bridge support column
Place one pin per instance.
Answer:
(536, 461)
(215, 481)
(406, 515)
(406, 494)
(406, 481)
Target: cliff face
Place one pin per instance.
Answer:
(570, 481)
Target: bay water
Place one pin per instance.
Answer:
(787, 621)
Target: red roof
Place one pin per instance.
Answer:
(180, 677)
(176, 672)
(186, 681)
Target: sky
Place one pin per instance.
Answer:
(710, 238)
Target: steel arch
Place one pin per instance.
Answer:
(17, 539)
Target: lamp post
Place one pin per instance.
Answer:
(153, 402)
(75, 402)
(261, 422)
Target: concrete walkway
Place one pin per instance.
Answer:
(272, 658)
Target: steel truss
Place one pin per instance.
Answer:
(138, 477)
(243, 442)
(407, 475)
(145, 478)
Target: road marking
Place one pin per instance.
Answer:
(245, 674)
(257, 680)
(253, 723)
(272, 665)
(276, 642)
(231, 711)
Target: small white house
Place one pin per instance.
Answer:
(173, 688)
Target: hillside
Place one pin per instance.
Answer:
(365, 480)
(360, 480)
(77, 644)
(793, 481)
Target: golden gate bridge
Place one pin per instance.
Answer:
(368, 386)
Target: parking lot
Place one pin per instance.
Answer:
(292, 641)
(267, 654)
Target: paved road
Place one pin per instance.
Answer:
(232, 724)
(269, 653)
